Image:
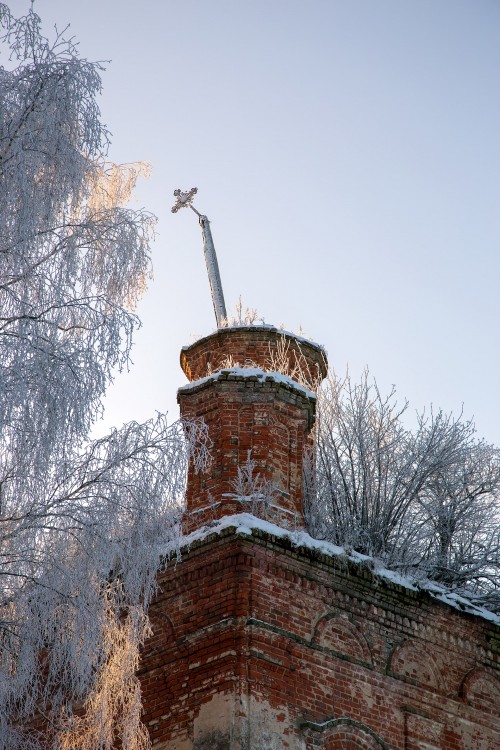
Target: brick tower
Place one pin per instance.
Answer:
(266, 639)
(242, 386)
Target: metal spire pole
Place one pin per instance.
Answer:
(185, 199)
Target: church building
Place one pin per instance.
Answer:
(267, 639)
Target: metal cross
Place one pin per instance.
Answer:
(185, 199)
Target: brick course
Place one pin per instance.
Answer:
(265, 417)
(254, 345)
(259, 644)
(324, 649)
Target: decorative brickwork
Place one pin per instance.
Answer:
(260, 645)
(263, 642)
(254, 346)
(249, 412)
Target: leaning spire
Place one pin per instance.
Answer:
(185, 199)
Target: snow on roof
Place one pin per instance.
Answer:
(246, 524)
(251, 373)
(262, 327)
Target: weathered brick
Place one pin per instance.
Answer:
(262, 645)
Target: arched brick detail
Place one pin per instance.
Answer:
(273, 641)
(348, 738)
(164, 631)
(481, 689)
(281, 448)
(243, 438)
(338, 634)
(269, 440)
(411, 662)
(246, 411)
(344, 734)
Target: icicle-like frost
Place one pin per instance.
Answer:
(425, 500)
(252, 491)
(82, 524)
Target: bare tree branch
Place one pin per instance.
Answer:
(424, 500)
(83, 525)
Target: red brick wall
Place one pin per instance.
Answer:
(270, 419)
(245, 413)
(254, 345)
(258, 644)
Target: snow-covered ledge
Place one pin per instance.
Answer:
(248, 525)
(252, 374)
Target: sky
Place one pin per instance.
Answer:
(347, 154)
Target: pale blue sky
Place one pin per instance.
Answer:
(347, 154)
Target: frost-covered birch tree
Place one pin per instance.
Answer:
(81, 523)
(423, 499)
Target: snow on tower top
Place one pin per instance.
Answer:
(262, 346)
